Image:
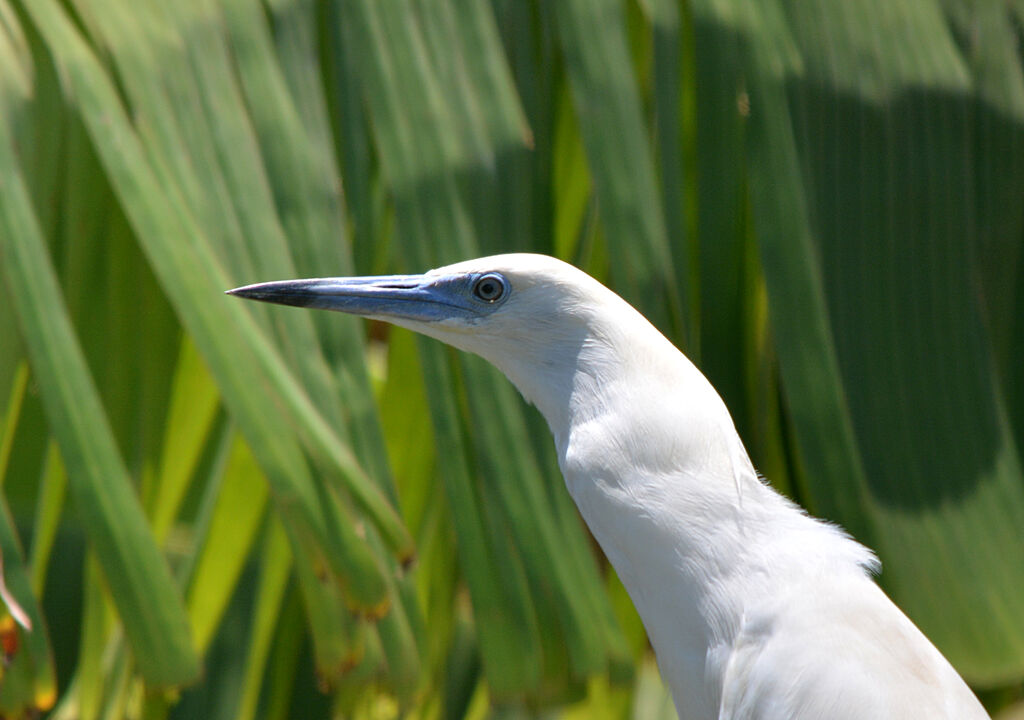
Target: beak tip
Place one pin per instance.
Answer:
(285, 292)
(245, 291)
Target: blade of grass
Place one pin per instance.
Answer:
(29, 678)
(14, 401)
(165, 97)
(875, 308)
(500, 433)
(337, 636)
(323, 243)
(398, 639)
(193, 406)
(722, 216)
(49, 509)
(509, 636)
(505, 617)
(86, 692)
(306, 192)
(275, 570)
(335, 460)
(673, 94)
(191, 276)
(571, 181)
(284, 656)
(609, 109)
(226, 542)
(149, 604)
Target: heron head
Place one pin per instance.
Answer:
(527, 314)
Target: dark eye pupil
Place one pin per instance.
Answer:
(489, 289)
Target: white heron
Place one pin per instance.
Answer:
(755, 610)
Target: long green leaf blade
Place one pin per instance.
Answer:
(191, 276)
(907, 445)
(148, 602)
(609, 111)
(28, 680)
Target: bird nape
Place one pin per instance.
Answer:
(755, 610)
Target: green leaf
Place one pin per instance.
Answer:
(29, 680)
(275, 564)
(148, 603)
(189, 422)
(608, 107)
(49, 509)
(7, 430)
(255, 383)
(227, 541)
(510, 643)
(865, 222)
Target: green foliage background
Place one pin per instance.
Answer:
(215, 509)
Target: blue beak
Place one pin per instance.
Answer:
(423, 298)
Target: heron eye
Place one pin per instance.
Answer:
(489, 288)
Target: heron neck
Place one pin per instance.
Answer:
(652, 460)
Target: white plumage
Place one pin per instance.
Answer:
(756, 611)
